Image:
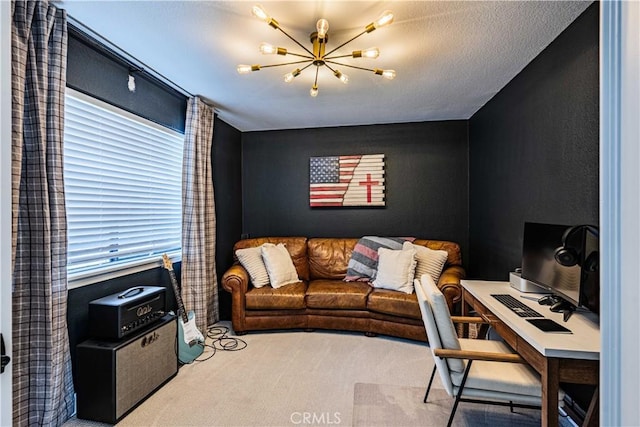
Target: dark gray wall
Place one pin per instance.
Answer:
(226, 161)
(426, 171)
(534, 150)
(96, 71)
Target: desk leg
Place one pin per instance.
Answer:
(550, 387)
(463, 328)
(592, 417)
(465, 307)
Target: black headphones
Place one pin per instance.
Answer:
(568, 254)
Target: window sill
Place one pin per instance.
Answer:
(79, 280)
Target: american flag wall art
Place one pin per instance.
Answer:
(347, 180)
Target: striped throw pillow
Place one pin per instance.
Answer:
(429, 261)
(251, 260)
(363, 263)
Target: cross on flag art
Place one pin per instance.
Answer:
(347, 180)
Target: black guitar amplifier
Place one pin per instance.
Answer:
(118, 315)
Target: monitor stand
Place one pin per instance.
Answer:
(565, 307)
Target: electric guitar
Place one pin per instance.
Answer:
(190, 339)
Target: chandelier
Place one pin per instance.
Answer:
(317, 55)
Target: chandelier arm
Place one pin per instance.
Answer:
(339, 56)
(306, 66)
(345, 43)
(300, 55)
(329, 67)
(286, 63)
(315, 83)
(347, 65)
(295, 41)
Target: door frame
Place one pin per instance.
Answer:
(6, 400)
(619, 211)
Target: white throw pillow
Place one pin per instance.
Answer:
(429, 261)
(251, 260)
(395, 270)
(279, 265)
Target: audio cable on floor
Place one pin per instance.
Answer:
(224, 342)
(220, 341)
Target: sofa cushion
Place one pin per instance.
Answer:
(363, 263)
(394, 303)
(297, 247)
(268, 298)
(337, 294)
(329, 257)
(396, 269)
(279, 265)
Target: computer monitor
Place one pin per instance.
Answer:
(568, 269)
(590, 284)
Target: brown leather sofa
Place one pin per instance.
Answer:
(323, 300)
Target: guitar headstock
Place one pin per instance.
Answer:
(167, 262)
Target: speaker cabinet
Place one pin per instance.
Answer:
(115, 376)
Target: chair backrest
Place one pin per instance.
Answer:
(440, 310)
(433, 336)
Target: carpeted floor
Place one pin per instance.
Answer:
(320, 378)
(392, 405)
(279, 378)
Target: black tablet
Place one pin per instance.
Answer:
(549, 325)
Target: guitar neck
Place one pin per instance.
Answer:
(176, 291)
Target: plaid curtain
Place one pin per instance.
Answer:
(198, 275)
(42, 382)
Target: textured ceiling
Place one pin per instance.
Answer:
(450, 57)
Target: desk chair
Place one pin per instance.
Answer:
(473, 370)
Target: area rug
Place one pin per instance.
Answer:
(393, 405)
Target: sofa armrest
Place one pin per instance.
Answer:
(449, 284)
(236, 281)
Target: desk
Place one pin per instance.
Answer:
(571, 358)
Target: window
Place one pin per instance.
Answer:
(123, 185)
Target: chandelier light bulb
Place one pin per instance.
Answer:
(385, 19)
(259, 12)
(246, 69)
(343, 77)
(314, 91)
(288, 78)
(387, 74)
(267, 49)
(323, 27)
(372, 53)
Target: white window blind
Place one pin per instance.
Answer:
(123, 185)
